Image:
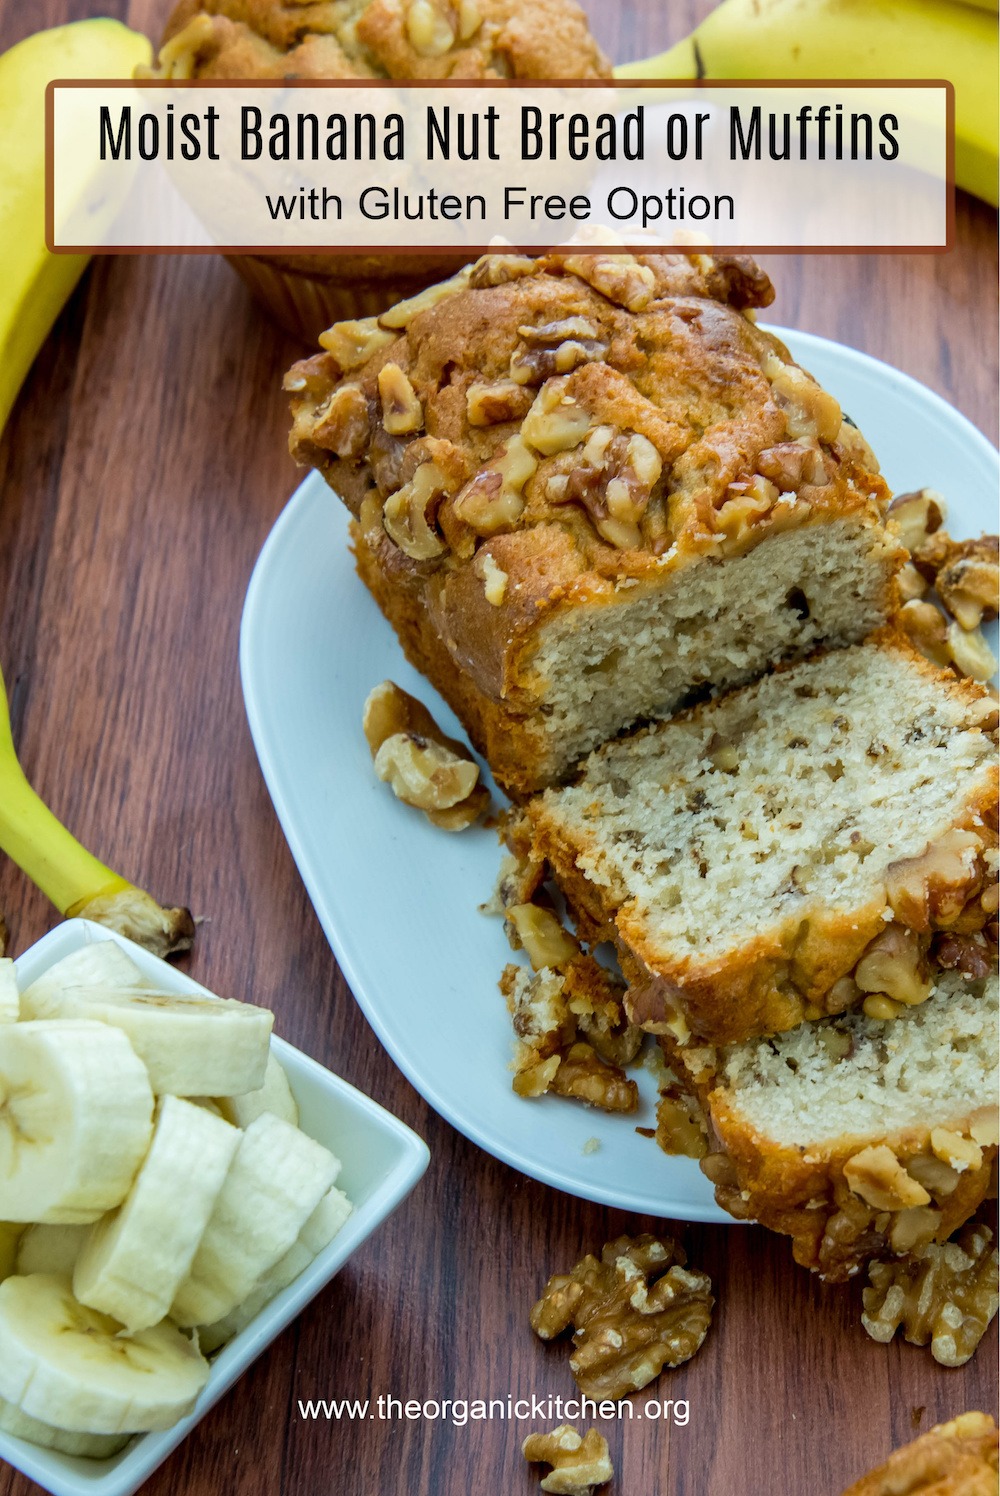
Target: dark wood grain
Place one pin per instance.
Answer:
(142, 469)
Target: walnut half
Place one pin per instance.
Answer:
(579, 1464)
(426, 769)
(633, 1312)
(944, 1294)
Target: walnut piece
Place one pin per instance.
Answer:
(406, 513)
(633, 1312)
(401, 410)
(968, 584)
(893, 964)
(952, 1459)
(354, 343)
(579, 1465)
(491, 501)
(491, 404)
(428, 30)
(425, 768)
(926, 628)
(614, 481)
(620, 278)
(878, 1177)
(970, 653)
(945, 1294)
(555, 422)
(681, 1129)
(932, 889)
(916, 515)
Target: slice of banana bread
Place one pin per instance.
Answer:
(587, 485)
(857, 1137)
(796, 848)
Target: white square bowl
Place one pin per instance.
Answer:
(382, 1161)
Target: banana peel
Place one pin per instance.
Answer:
(34, 284)
(952, 39)
(70, 876)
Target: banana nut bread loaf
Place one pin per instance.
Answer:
(798, 847)
(587, 485)
(857, 1136)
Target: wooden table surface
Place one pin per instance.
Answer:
(141, 471)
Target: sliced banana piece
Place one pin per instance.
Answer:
(317, 1233)
(274, 1184)
(191, 1046)
(50, 1249)
(75, 1120)
(10, 1002)
(89, 1446)
(275, 1095)
(102, 963)
(135, 1259)
(10, 1236)
(80, 1370)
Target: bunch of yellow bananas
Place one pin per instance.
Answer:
(951, 39)
(34, 285)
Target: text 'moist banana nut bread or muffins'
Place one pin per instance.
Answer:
(401, 39)
(807, 844)
(587, 485)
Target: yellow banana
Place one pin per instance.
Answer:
(70, 876)
(34, 285)
(857, 39)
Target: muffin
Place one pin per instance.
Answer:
(423, 39)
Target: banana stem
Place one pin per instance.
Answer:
(70, 876)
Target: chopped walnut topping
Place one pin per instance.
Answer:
(491, 404)
(491, 501)
(406, 515)
(744, 503)
(583, 1075)
(633, 1312)
(354, 343)
(968, 585)
(549, 1057)
(429, 31)
(945, 1294)
(579, 1465)
(401, 410)
(916, 516)
(970, 653)
(555, 422)
(953, 1149)
(494, 580)
(933, 889)
(620, 278)
(926, 628)
(403, 313)
(425, 769)
(876, 1174)
(342, 425)
(792, 464)
(894, 964)
(614, 481)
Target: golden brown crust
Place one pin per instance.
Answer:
(794, 970)
(953, 1459)
(381, 39)
(807, 1197)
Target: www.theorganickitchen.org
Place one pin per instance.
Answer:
(462, 1410)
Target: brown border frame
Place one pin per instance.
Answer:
(499, 83)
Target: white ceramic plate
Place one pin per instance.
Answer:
(398, 898)
(382, 1161)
